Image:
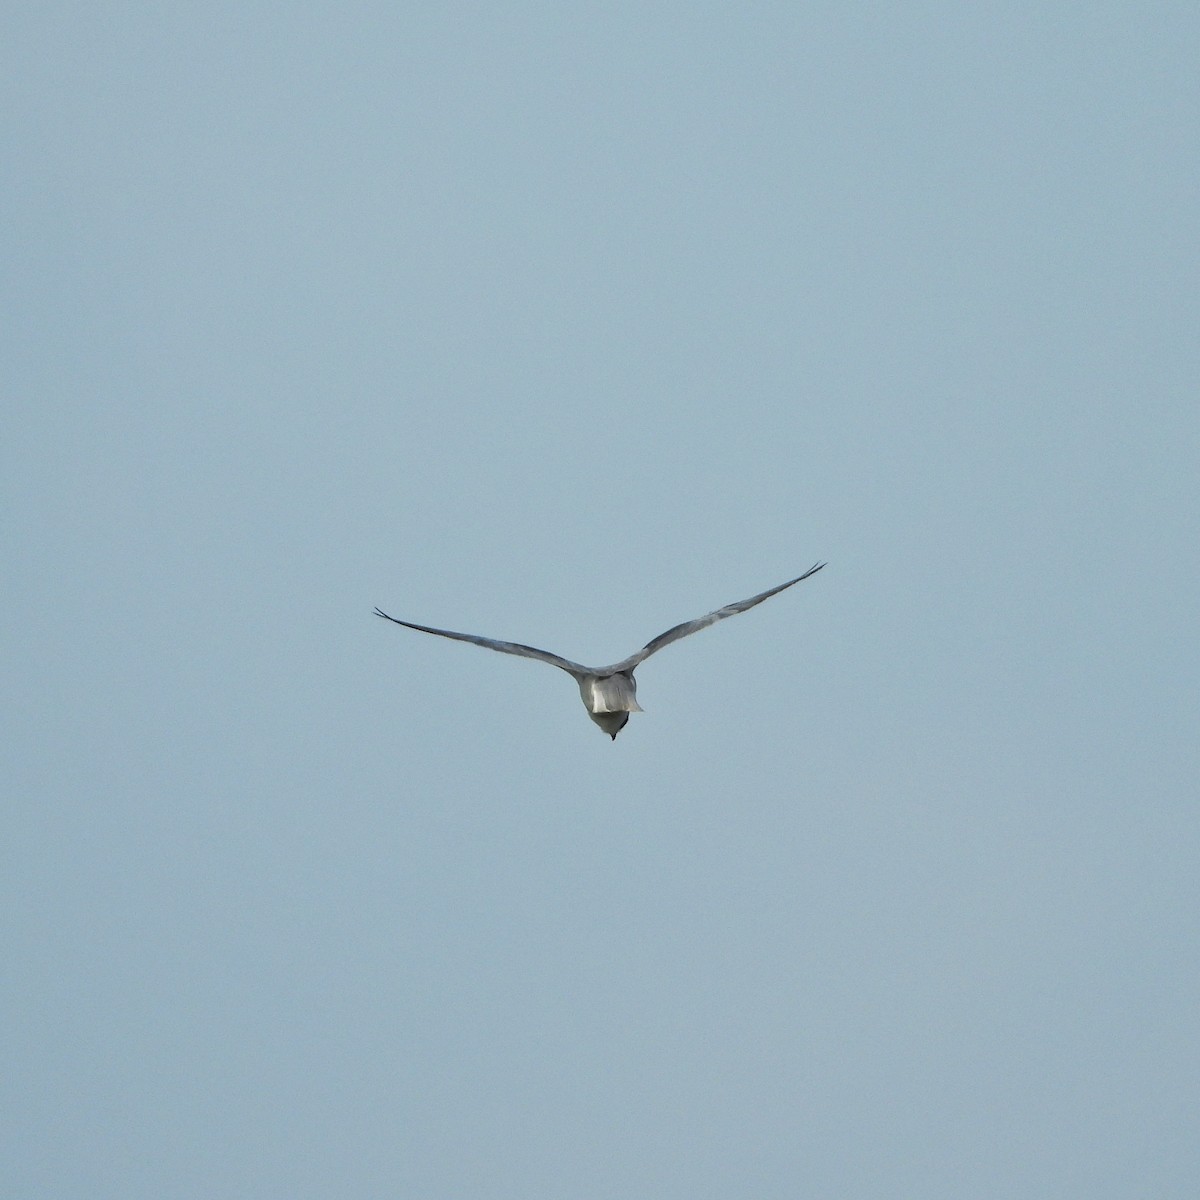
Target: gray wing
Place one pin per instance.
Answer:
(504, 647)
(690, 627)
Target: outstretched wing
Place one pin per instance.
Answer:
(690, 627)
(504, 647)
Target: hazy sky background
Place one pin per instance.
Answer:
(564, 323)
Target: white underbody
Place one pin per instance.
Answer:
(609, 693)
(609, 700)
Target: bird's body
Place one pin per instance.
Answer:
(609, 693)
(610, 699)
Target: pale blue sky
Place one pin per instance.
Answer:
(564, 323)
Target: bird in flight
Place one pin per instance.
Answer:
(609, 693)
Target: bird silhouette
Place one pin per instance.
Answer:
(609, 693)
